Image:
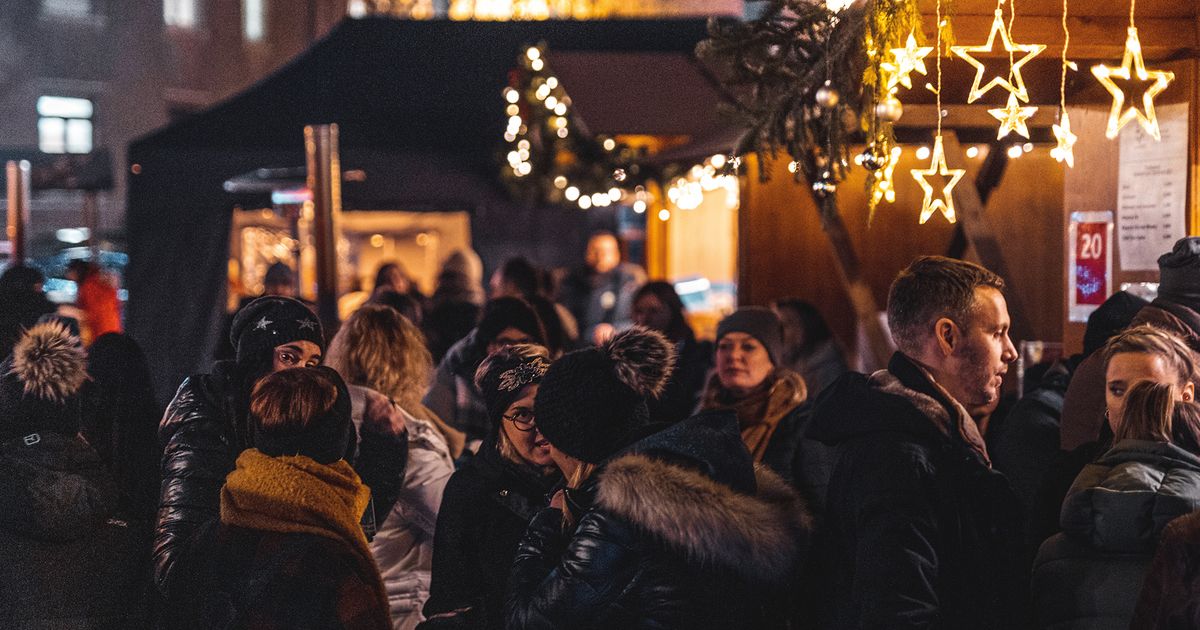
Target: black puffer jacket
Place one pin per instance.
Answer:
(485, 509)
(681, 531)
(202, 433)
(921, 532)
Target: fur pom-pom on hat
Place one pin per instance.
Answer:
(643, 360)
(41, 382)
(50, 362)
(592, 402)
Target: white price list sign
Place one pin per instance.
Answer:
(1151, 210)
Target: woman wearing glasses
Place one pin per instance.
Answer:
(489, 501)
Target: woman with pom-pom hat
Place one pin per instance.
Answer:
(675, 529)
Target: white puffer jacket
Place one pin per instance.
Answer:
(403, 546)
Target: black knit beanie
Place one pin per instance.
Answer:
(503, 377)
(592, 402)
(327, 437)
(1110, 318)
(269, 322)
(41, 383)
(509, 312)
(758, 322)
(1179, 273)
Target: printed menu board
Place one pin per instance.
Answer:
(1151, 210)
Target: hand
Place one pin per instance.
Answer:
(559, 500)
(382, 416)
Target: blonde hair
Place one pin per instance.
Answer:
(1149, 412)
(1146, 339)
(379, 348)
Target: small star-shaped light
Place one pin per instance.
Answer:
(1012, 117)
(1132, 70)
(904, 62)
(945, 202)
(308, 324)
(262, 324)
(1065, 151)
(1017, 84)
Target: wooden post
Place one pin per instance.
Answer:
(325, 183)
(978, 229)
(18, 173)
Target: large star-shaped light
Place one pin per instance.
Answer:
(1065, 151)
(937, 167)
(1014, 83)
(904, 62)
(1131, 73)
(1012, 117)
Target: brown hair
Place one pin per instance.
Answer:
(288, 400)
(377, 347)
(1149, 410)
(1146, 339)
(932, 287)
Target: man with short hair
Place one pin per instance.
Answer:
(600, 295)
(921, 532)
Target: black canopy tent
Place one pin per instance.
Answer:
(420, 111)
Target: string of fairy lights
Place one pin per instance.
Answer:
(545, 142)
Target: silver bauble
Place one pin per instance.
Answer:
(827, 96)
(890, 109)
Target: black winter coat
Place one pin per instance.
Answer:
(682, 531)
(202, 433)
(922, 533)
(485, 508)
(66, 559)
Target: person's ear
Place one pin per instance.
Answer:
(1189, 392)
(946, 332)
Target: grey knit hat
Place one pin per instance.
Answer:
(758, 322)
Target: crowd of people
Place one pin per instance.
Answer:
(568, 454)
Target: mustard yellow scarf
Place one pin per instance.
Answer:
(759, 411)
(295, 495)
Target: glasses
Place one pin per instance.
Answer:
(522, 418)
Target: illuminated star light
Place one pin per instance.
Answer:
(938, 167)
(1012, 117)
(1065, 151)
(1017, 85)
(1132, 64)
(905, 61)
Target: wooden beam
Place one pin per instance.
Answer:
(978, 229)
(971, 116)
(849, 269)
(986, 181)
(1091, 37)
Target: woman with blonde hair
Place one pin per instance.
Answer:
(1113, 515)
(383, 357)
(490, 500)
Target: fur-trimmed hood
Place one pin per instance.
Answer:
(760, 537)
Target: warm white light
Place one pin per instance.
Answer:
(571, 193)
(1015, 151)
(664, 214)
(560, 109)
(922, 153)
(560, 182)
(585, 203)
(551, 102)
(972, 152)
(511, 95)
(609, 144)
(552, 82)
(1028, 146)
(614, 194)
(717, 160)
(537, 65)
(639, 206)
(533, 53)
(562, 133)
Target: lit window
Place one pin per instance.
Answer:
(64, 124)
(254, 20)
(179, 13)
(67, 8)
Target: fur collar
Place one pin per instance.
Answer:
(759, 537)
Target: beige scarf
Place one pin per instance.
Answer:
(760, 410)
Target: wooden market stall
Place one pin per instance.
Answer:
(1013, 212)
